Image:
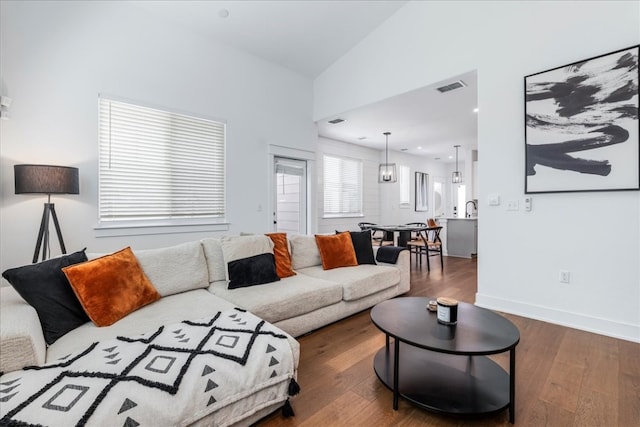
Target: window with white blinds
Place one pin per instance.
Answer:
(342, 186)
(159, 167)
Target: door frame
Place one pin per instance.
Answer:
(295, 154)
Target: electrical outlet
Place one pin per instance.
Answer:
(512, 205)
(564, 276)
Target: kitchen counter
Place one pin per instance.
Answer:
(462, 237)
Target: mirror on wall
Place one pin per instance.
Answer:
(422, 192)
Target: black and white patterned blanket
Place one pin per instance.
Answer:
(233, 364)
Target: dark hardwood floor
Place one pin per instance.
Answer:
(564, 377)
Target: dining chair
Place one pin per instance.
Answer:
(428, 245)
(375, 238)
(416, 241)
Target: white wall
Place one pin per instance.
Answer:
(371, 193)
(596, 236)
(390, 210)
(55, 59)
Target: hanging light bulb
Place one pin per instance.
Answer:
(387, 171)
(456, 176)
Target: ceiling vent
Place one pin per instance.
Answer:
(455, 85)
(336, 121)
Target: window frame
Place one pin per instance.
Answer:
(343, 214)
(167, 225)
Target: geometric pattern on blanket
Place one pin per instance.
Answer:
(174, 375)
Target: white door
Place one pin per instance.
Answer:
(290, 192)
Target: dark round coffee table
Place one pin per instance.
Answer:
(444, 368)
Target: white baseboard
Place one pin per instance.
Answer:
(625, 331)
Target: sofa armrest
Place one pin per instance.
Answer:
(404, 265)
(21, 339)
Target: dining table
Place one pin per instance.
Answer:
(401, 233)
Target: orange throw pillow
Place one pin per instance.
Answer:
(110, 287)
(336, 250)
(282, 255)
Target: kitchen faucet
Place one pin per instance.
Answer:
(466, 208)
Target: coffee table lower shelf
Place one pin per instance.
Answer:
(445, 383)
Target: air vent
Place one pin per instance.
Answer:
(455, 85)
(362, 138)
(336, 121)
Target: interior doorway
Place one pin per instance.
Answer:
(290, 195)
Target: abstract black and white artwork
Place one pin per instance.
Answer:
(582, 126)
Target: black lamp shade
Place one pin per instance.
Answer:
(46, 179)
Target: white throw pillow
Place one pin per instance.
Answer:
(175, 269)
(238, 247)
(215, 262)
(304, 252)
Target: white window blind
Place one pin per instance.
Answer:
(342, 186)
(404, 179)
(159, 166)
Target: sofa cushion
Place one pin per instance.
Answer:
(45, 287)
(237, 247)
(170, 309)
(304, 252)
(251, 271)
(111, 287)
(336, 250)
(359, 281)
(176, 268)
(290, 297)
(21, 333)
(281, 254)
(215, 261)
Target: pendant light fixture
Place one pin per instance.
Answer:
(456, 176)
(387, 171)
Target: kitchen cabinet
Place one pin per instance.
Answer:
(462, 237)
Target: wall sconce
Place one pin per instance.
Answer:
(45, 179)
(386, 170)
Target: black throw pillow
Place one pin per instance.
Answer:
(45, 287)
(253, 270)
(362, 244)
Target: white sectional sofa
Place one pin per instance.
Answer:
(192, 281)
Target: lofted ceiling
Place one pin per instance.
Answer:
(307, 36)
(423, 122)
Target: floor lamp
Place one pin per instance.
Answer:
(46, 179)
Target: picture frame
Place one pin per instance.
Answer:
(422, 192)
(582, 126)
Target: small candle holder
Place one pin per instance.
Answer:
(447, 310)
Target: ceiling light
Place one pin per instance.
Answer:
(386, 170)
(419, 148)
(456, 176)
(475, 110)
